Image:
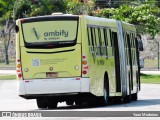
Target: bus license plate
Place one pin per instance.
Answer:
(51, 74)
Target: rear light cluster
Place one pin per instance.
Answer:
(18, 67)
(22, 20)
(84, 65)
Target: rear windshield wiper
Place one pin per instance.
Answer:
(35, 32)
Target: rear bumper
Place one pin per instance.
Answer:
(59, 86)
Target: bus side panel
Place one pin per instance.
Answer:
(131, 59)
(20, 82)
(89, 57)
(98, 63)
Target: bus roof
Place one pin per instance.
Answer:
(90, 19)
(48, 17)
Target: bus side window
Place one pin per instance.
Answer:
(130, 37)
(110, 38)
(131, 45)
(105, 36)
(132, 49)
(129, 49)
(135, 54)
(126, 46)
(109, 43)
(105, 41)
(117, 61)
(100, 41)
(124, 38)
(89, 39)
(97, 50)
(133, 37)
(92, 40)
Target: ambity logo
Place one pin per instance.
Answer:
(56, 33)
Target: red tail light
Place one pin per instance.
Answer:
(84, 65)
(22, 20)
(19, 75)
(84, 57)
(84, 72)
(18, 67)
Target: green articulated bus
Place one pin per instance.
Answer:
(76, 59)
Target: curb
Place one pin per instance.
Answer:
(151, 72)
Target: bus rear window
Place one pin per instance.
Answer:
(52, 33)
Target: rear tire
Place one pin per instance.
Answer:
(52, 104)
(79, 102)
(92, 101)
(127, 99)
(41, 103)
(117, 100)
(69, 102)
(104, 100)
(134, 96)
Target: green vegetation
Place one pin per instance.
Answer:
(144, 16)
(7, 65)
(153, 79)
(11, 64)
(8, 77)
(150, 63)
(31, 8)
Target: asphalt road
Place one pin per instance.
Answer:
(148, 100)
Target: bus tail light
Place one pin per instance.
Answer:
(84, 65)
(22, 20)
(19, 75)
(84, 62)
(18, 67)
(84, 72)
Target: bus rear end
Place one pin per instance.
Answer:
(49, 58)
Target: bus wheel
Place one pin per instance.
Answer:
(78, 102)
(134, 97)
(69, 102)
(127, 99)
(52, 104)
(104, 100)
(41, 103)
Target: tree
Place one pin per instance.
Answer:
(22, 8)
(6, 41)
(2, 7)
(144, 16)
(6, 24)
(78, 8)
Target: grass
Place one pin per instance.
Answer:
(150, 64)
(11, 64)
(145, 78)
(7, 77)
(154, 79)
